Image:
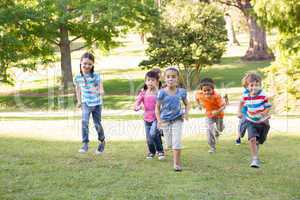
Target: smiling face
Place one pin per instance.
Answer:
(254, 87)
(151, 82)
(86, 65)
(207, 90)
(171, 78)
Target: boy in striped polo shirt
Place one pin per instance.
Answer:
(257, 114)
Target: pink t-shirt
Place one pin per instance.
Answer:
(149, 102)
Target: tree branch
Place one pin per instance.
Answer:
(76, 38)
(229, 3)
(54, 42)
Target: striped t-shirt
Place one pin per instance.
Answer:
(88, 85)
(255, 106)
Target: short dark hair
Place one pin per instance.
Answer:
(207, 82)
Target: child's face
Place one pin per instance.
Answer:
(151, 82)
(207, 91)
(254, 87)
(171, 78)
(86, 65)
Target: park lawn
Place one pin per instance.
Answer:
(121, 92)
(33, 169)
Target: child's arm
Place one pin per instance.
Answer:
(138, 102)
(222, 105)
(157, 114)
(187, 109)
(240, 114)
(78, 95)
(101, 89)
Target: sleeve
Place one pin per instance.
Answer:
(183, 94)
(267, 103)
(97, 79)
(160, 95)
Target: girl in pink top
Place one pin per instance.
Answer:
(147, 97)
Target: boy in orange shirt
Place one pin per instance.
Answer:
(214, 106)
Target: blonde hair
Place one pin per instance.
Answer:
(251, 77)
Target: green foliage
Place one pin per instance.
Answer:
(283, 76)
(18, 47)
(189, 36)
(30, 30)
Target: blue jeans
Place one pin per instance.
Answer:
(153, 137)
(96, 114)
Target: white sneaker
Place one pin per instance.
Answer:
(161, 156)
(84, 148)
(212, 150)
(255, 163)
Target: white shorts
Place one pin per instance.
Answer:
(172, 132)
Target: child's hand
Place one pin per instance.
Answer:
(78, 105)
(240, 115)
(159, 124)
(137, 108)
(186, 116)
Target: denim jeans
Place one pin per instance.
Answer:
(153, 137)
(96, 114)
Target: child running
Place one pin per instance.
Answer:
(147, 97)
(214, 106)
(170, 115)
(89, 89)
(257, 115)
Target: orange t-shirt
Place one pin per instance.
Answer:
(214, 102)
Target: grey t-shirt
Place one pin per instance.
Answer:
(171, 104)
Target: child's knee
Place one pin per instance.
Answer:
(252, 140)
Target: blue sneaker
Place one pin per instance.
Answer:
(84, 148)
(100, 148)
(238, 141)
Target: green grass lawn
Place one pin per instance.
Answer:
(32, 169)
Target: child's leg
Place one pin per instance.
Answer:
(85, 123)
(155, 137)
(149, 138)
(167, 135)
(253, 148)
(253, 134)
(210, 133)
(96, 113)
(220, 126)
(176, 141)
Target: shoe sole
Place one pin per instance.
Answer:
(254, 166)
(99, 152)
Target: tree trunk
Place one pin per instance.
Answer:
(230, 31)
(66, 65)
(258, 48)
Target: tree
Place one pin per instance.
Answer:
(190, 36)
(230, 30)
(283, 76)
(258, 48)
(61, 23)
(16, 45)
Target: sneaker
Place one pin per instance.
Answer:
(212, 150)
(238, 141)
(84, 148)
(150, 156)
(161, 156)
(100, 148)
(177, 168)
(255, 163)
